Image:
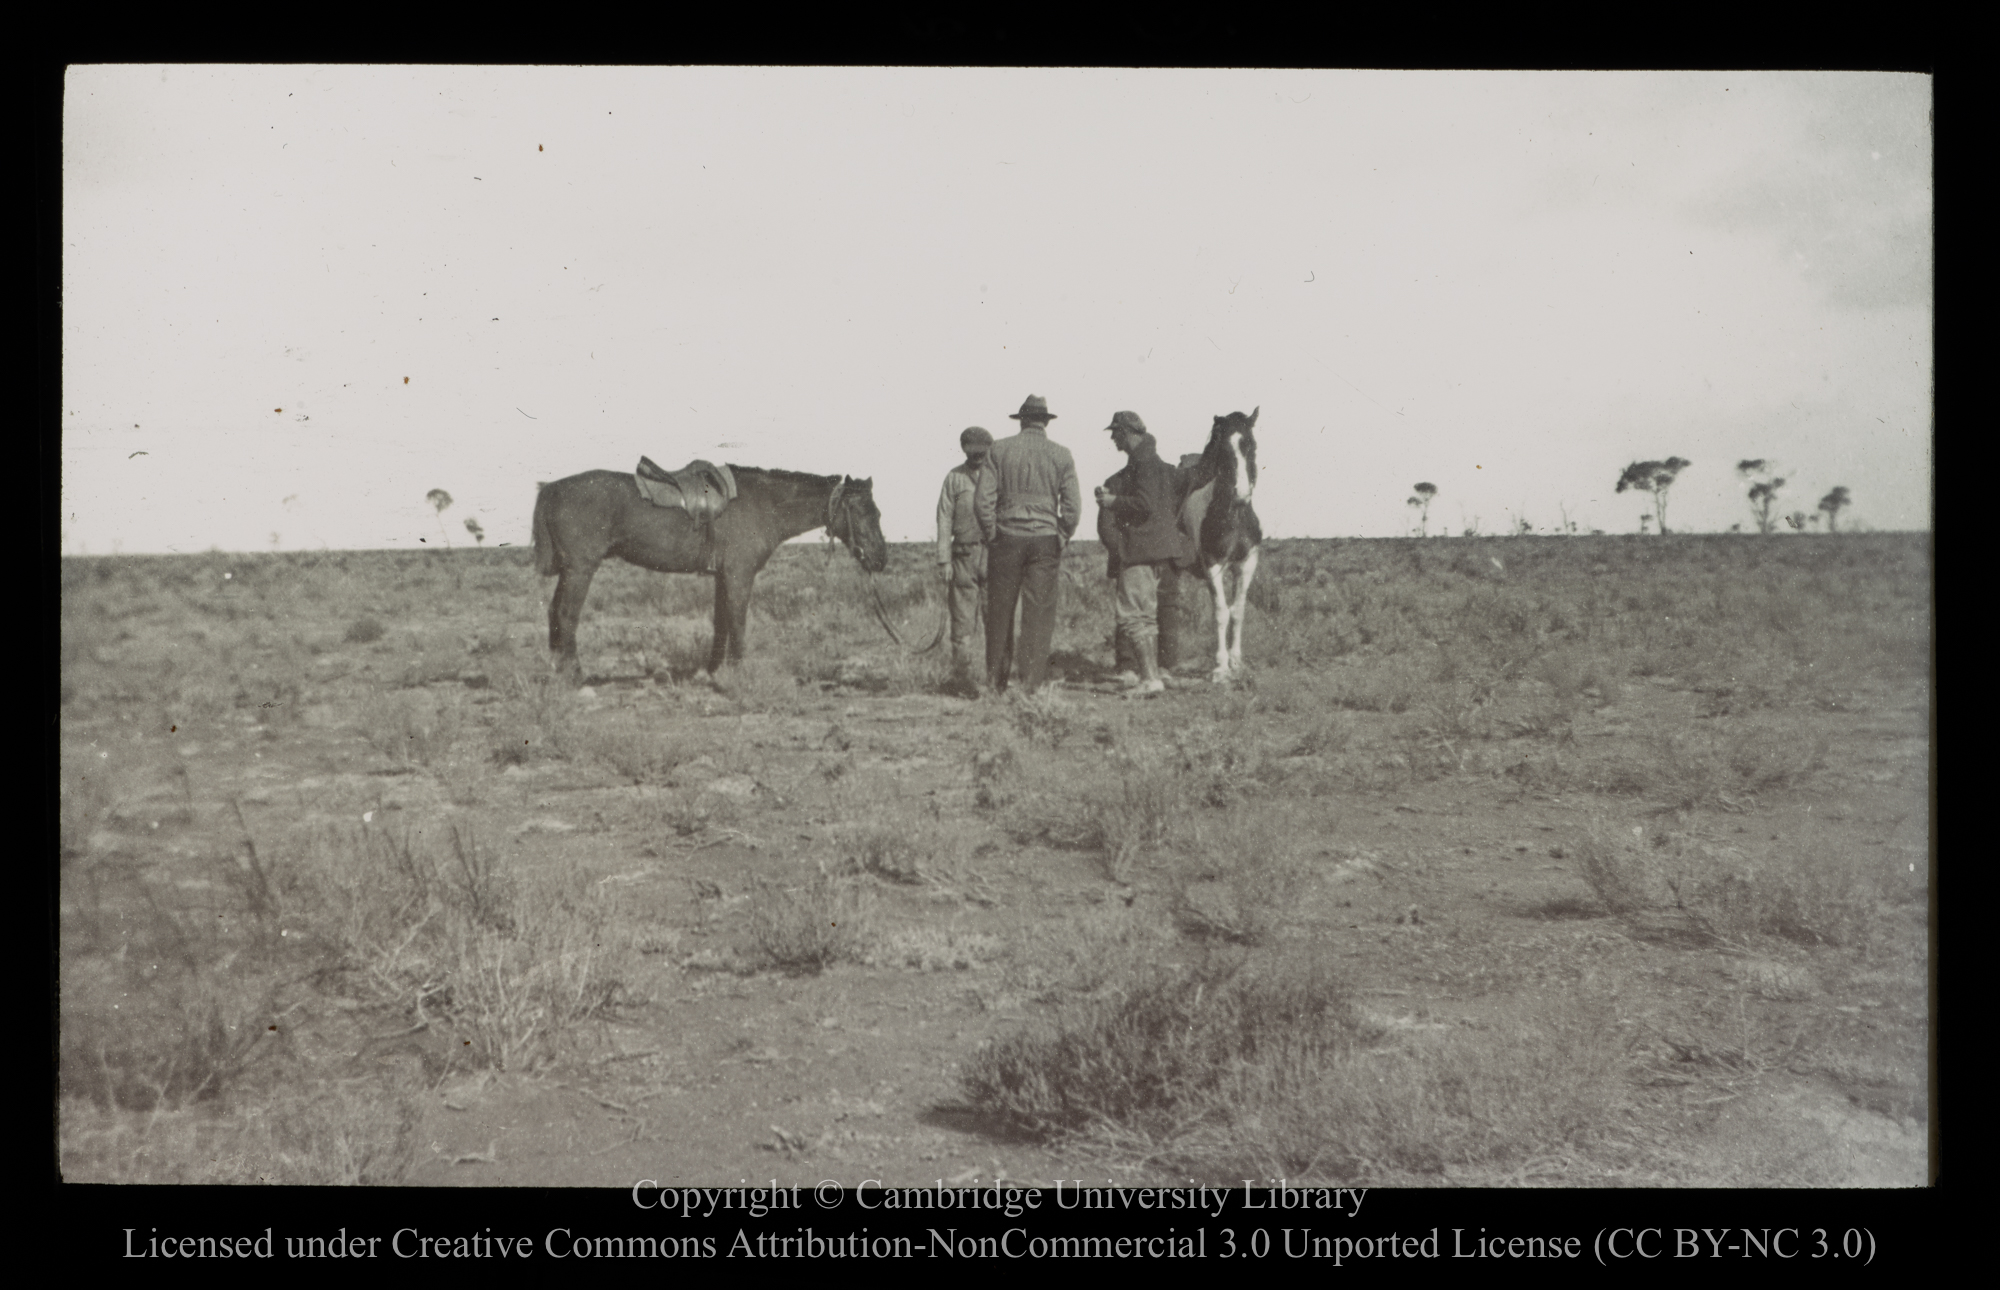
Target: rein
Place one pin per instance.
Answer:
(882, 617)
(874, 588)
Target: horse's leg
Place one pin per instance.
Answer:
(1218, 585)
(1245, 572)
(719, 648)
(739, 613)
(565, 610)
(732, 612)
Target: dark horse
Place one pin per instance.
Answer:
(1218, 514)
(584, 519)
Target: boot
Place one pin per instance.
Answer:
(1150, 680)
(1125, 654)
(1170, 619)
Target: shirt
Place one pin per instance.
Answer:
(957, 520)
(1029, 488)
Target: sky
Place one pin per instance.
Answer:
(297, 299)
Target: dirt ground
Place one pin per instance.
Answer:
(1453, 899)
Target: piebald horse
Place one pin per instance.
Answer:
(1218, 514)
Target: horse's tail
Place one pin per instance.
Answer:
(545, 546)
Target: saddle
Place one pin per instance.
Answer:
(1194, 510)
(701, 488)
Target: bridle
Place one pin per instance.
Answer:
(833, 508)
(833, 513)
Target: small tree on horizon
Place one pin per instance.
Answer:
(1764, 488)
(1421, 503)
(1655, 477)
(1833, 504)
(439, 500)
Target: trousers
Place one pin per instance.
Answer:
(1021, 570)
(1148, 603)
(967, 597)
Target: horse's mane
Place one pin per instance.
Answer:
(793, 476)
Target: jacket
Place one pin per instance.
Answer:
(1141, 524)
(957, 521)
(1028, 489)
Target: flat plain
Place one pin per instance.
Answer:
(1536, 861)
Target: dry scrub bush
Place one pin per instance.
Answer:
(1047, 717)
(364, 631)
(687, 813)
(810, 928)
(1149, 1059)
(1083, 954)
(1260, 1066)
(1133, 804)
(1694, 771)
(1141, 811)
(160, 1041)
(1221, 764)
(1244, 880)
(1824, 898)
(413, 728)
(640, 755)
(535, 720)
(1414, 1107)
(938, 949)
(901, 843)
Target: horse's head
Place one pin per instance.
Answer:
(853, 518)
(1232, 449)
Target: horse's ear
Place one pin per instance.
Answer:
(1253, 413)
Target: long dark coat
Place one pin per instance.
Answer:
(1140, 524)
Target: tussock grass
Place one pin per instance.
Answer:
(1084, 954)
(1828, 898)
(640, 755)
(536, 720)
(324, 1134)
(1697, 770)
(811, 927)
(161, 1042)
(365, 630)
(1047, 717)
(761, 685)
(932, 949)
(901, 843)
(514, 962)
(413, 728)
(1244, 879)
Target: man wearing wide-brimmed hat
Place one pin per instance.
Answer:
(1028, 502)
(961, 552)
(1138, 520)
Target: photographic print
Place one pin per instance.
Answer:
(933, 627)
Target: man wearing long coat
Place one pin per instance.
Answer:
(1139, 523)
